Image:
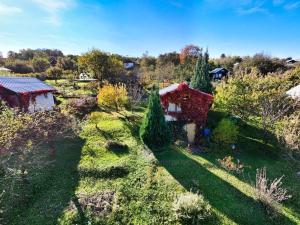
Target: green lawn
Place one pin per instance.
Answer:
(144, 194)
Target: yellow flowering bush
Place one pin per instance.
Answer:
(113, 96)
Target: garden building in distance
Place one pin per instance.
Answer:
(26, 93)
(218, 73)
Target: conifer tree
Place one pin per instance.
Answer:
(201, 79)
(155, 131)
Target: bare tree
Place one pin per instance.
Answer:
(135, 92)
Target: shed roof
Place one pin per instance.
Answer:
(168, 89)
(179, 87)
(24, 84)
(294, 92)
(217, 70)
(4, 69)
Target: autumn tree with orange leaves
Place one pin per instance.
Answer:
(189, 52)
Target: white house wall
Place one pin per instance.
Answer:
(42, 102)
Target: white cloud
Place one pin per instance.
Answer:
(9, 10)
(54, 7)
(253, 10)
(292, 5)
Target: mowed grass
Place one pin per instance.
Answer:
(143, 196)
(233, 196)
(146, 193)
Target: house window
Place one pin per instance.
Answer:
(173, 108)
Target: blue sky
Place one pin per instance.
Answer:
(132, 27)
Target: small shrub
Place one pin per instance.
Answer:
(228, 164)
(113, 96)
(191, 208)
(81, 107)
(270, 194)
(116, 146)
(226, 132)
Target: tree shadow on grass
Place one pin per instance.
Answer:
(254, 153)
(222, 196)
(54, 187)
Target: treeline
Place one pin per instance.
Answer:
(166, 68)
(49, 61)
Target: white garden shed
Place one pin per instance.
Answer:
(27, 93)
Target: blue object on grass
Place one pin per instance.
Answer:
(206, 132)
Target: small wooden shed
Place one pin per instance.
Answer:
(183, 103)
(27, 93)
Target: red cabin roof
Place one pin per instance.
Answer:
(183, 103)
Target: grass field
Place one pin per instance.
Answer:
(146, 188)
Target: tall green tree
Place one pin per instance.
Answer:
(101, 65)
(201, 79)
(40, 64)
(155, 131)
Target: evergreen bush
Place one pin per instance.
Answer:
(154, 130)
(201, 79)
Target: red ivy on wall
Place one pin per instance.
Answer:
(194, 104)
(20, 100)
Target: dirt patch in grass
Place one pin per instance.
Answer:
(110, 172)
(98, 204)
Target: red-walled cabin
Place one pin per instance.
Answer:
(26, 93)
(182, 103)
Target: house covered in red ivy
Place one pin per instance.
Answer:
(26, 93)
(182, 103)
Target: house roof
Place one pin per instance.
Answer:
(170, 88)
(179, 87)
(291, 61)
(217, 70)
(294, 92)
(24, 84)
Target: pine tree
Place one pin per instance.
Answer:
(201, 79)
(154, 131)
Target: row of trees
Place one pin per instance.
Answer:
(176, 67)
(39, 61)
(169, 67)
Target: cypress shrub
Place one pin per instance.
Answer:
(201, 79)
(154, 130)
